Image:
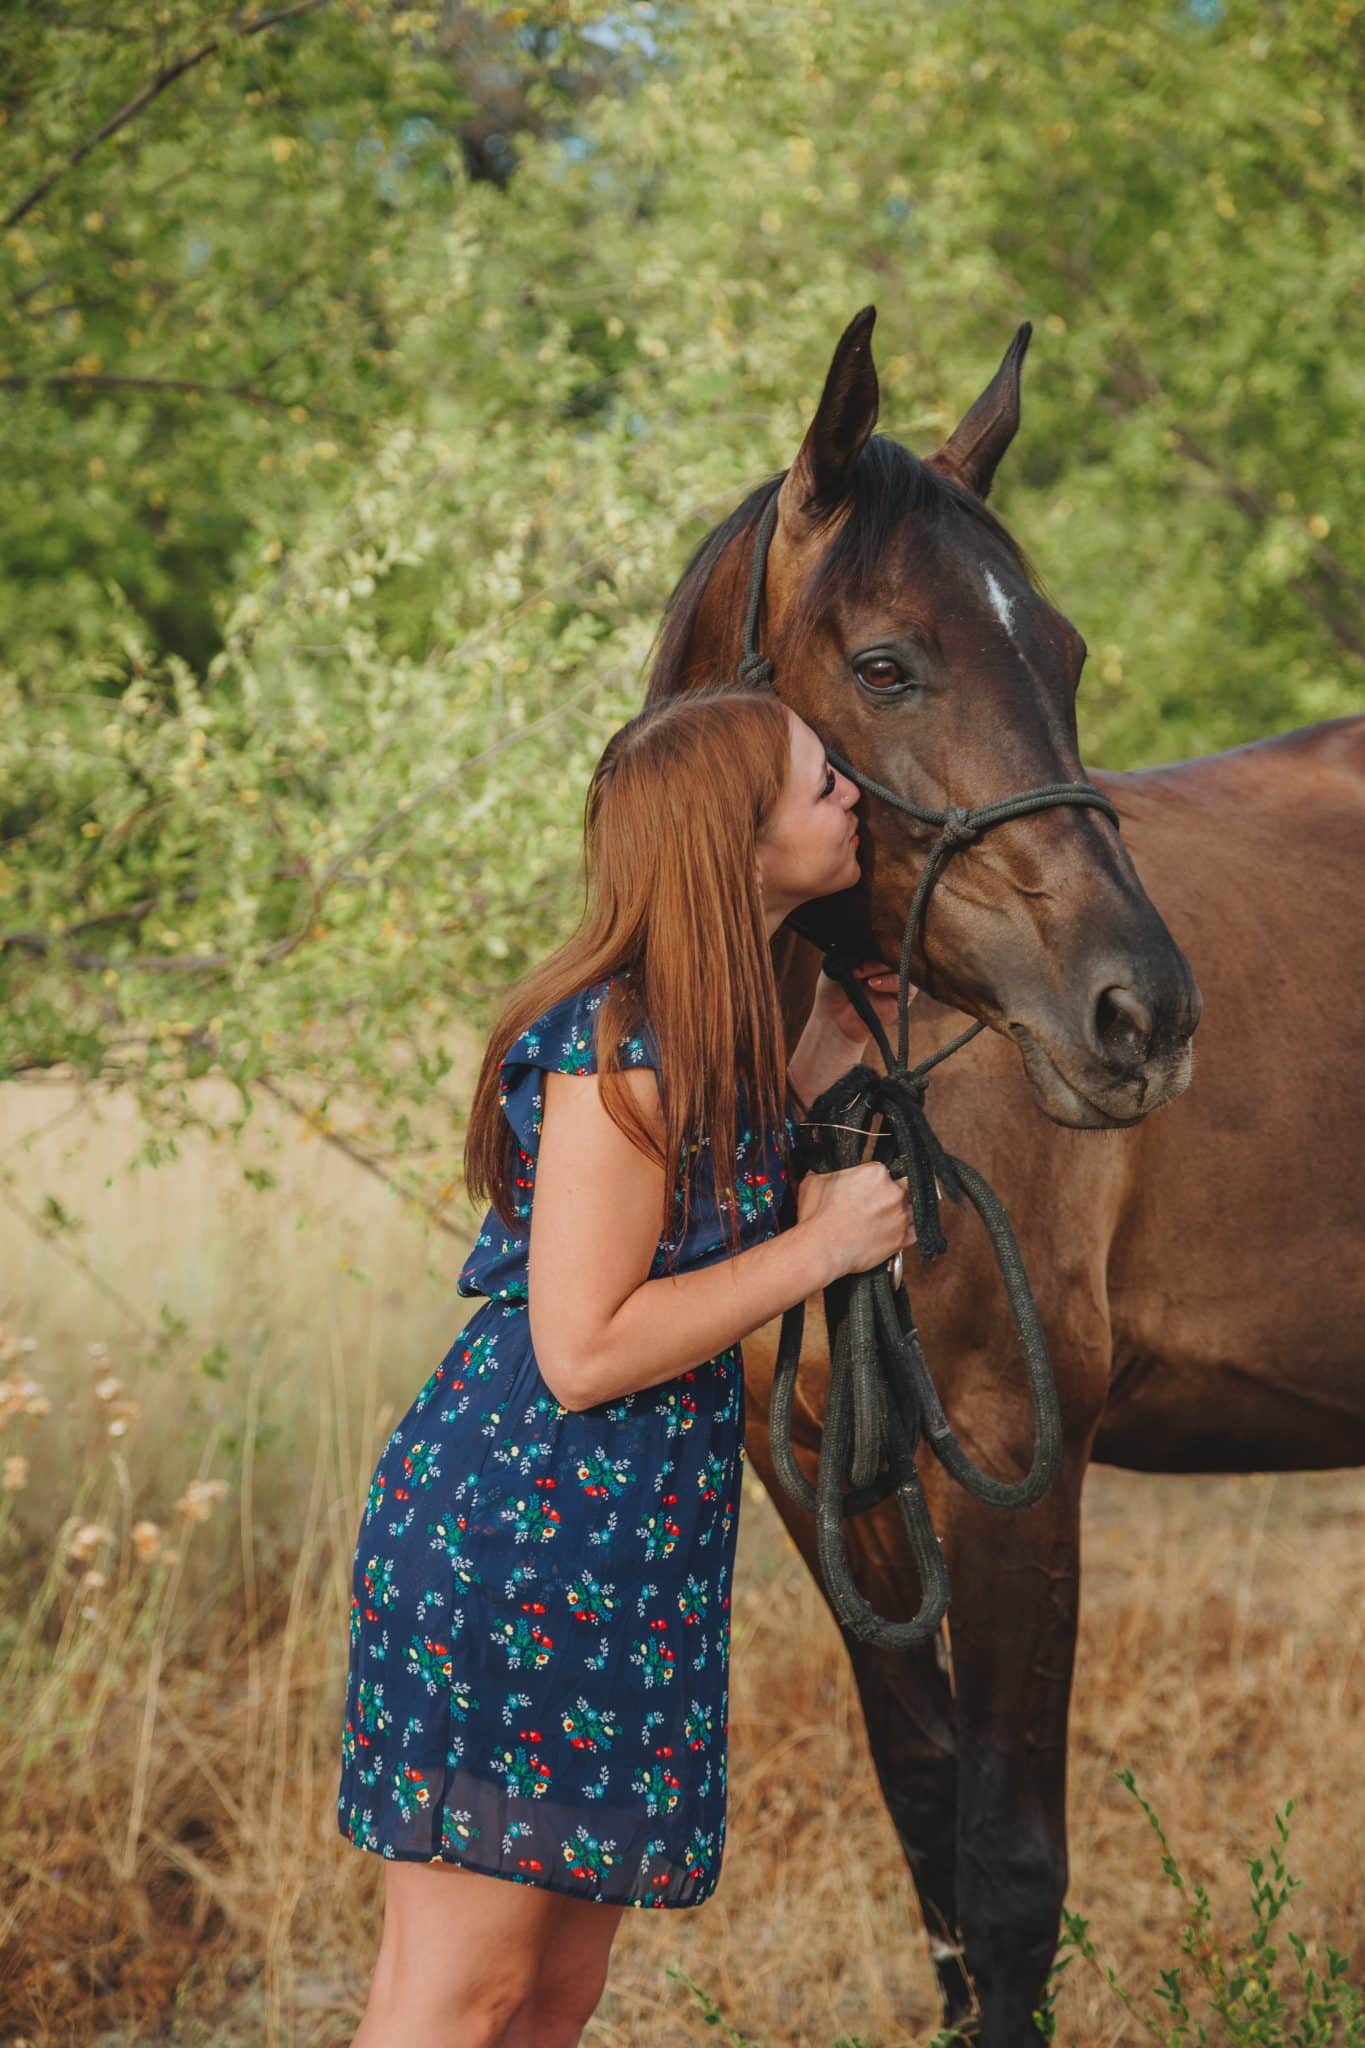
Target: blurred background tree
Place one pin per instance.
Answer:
(370, 372)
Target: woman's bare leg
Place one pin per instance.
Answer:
(458, 1956)
(569, 1981)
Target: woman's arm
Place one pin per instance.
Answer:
(835, 1037)
(599, 1326)
(822, 1053)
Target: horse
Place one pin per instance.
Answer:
(1195, 1243)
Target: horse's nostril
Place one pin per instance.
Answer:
(1123, 1025)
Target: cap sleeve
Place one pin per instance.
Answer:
(563, 1040)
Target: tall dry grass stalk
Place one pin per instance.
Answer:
(176, 1529)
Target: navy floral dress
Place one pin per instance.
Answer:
(540, 1620)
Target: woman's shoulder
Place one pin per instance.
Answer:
(563, 1038)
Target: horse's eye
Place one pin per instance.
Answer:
(879, 672)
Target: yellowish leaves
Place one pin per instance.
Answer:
(15, 1473)
(801, 150)
(1318, 526)
(281, 148)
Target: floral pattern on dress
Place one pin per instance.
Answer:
(538, 1681)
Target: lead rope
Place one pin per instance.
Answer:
(882, 1398)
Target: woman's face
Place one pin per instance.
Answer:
(809, 844)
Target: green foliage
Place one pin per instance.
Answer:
(1240, 1999)
(298, 698)
(201, 310)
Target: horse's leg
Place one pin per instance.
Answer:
(1015, 1576)
(908, 1712)
(972, 1763)
(911, 1730)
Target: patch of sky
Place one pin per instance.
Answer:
(633, 31)
(418, 138)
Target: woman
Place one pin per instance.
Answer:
(540, 1630)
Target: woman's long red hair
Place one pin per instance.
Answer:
(674, 907)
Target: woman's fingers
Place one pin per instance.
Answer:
(879, 976)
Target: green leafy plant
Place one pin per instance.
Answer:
(1228, 1993)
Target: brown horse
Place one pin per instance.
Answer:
(1200, 1273)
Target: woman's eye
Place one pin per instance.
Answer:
(828, 789)
(879, 672)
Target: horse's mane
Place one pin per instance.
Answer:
(889, 485)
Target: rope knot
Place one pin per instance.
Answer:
(756, 670)
(957, 828)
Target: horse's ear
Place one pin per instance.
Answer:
(971, 453)
(822, 475)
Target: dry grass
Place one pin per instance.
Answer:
(168, 1734)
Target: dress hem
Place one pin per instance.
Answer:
(642, 1900)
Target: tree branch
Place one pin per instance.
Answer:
(151, 91)
(359, 1158)
(103, 380)
(1340, 607)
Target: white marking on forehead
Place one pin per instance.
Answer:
(1002, 604)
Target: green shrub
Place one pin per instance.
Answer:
(1229, 1994)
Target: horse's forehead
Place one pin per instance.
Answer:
(937, 578)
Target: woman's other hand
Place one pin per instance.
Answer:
(830, 1006)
